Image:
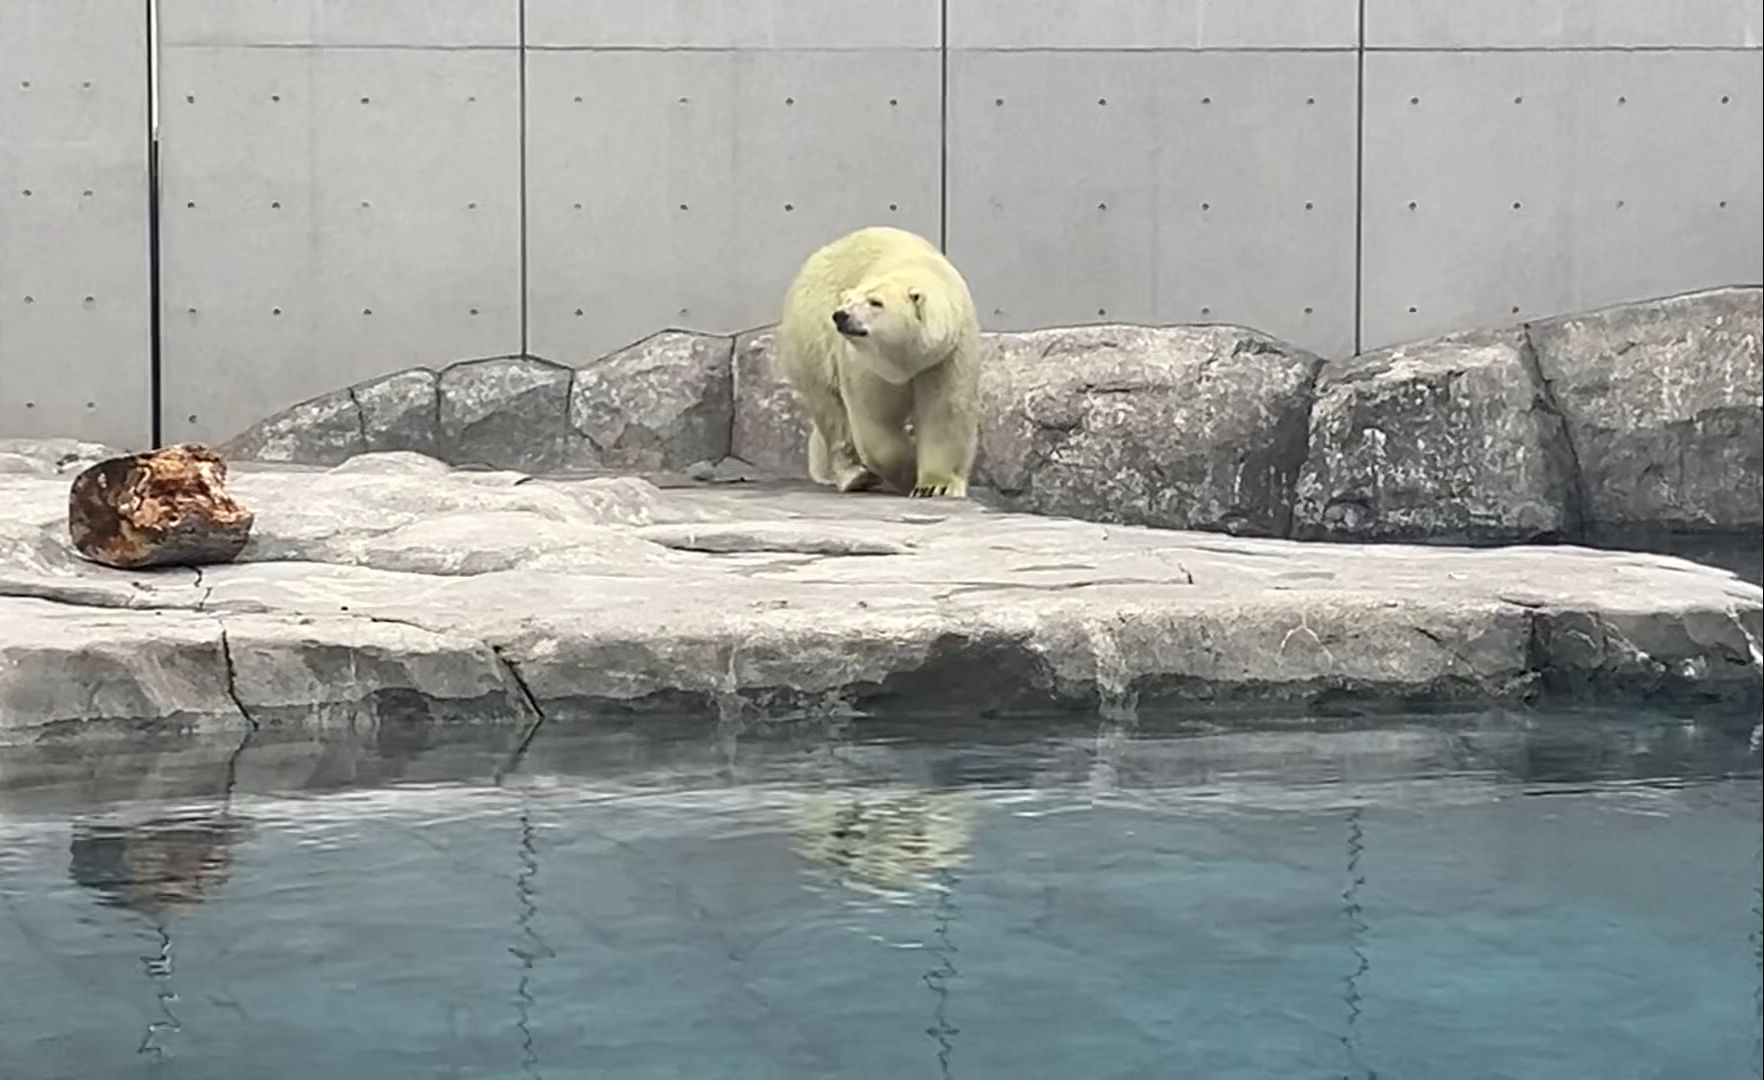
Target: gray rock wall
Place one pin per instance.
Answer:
(1642, 416)
(1182, 427)
(1446, 440)
(1663, 408)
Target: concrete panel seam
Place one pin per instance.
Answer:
(1252, 50)
(818, 50)
(1564, 48)
(354, 46)
(1309, 49)
(521, 179)
(943, 127)
(1360, 183)
(155, 336)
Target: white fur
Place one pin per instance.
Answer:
(916, 361)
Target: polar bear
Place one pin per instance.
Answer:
(879, 330)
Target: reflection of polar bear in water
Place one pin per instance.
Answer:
(888, 846)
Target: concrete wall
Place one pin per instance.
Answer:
(1532, 158)
(340, 197)
(348, 187)
(76, 342)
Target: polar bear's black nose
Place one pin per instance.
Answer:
(841, 320)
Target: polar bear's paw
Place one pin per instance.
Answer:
(932, 487)
(858, 478)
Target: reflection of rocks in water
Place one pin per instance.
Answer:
(161, 865)
(889, 846)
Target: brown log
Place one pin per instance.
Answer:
(166, 507)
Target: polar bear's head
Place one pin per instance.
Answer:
(903, 310)
(888, 310)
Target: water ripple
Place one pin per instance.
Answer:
(532, 948)
(1757, 938)
(939, 977)
(1354, 913)
(158, 967)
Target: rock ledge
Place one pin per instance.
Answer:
(393, 586)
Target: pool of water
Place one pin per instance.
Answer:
(1502, 896)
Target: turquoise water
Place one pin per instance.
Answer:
(1552, 897)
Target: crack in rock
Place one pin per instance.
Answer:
(391, 620)
(964, 587)
(232, 769)
(532, 704)
(95, 599)
(737, 539)
(1306, 445)
(1475, 673)
(1577, 518)
(208, 591)
(1753, 648)
(361, 425)
(232, 672)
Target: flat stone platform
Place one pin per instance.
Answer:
(393, 586)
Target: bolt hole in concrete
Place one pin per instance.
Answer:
(1001, 900)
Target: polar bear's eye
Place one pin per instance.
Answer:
(877, 304)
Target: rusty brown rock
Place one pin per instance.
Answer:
(166, 507)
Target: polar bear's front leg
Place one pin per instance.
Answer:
(946, 427)
(819, 469)
(877, 411)
(832, 456)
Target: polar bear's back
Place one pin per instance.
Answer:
(856, 253)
